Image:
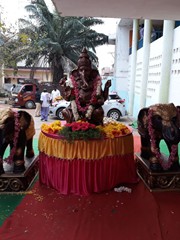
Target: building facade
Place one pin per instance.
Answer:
(147, 71)
(41, 74)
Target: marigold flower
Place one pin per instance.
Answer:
(110, 129)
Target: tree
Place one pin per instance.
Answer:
(57, 40)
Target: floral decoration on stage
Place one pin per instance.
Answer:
(82, 130)
(52, 128)
(113, 129)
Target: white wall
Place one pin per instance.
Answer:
(174, 89)
(122, 61)
(154, 74)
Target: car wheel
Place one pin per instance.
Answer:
(114, 114)
(59, 114)
(30, 105)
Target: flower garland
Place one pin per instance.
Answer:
(174, 148)
(9, 159)
(76, 106)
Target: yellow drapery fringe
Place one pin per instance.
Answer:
(94, 149)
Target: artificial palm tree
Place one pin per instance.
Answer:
(58, 40)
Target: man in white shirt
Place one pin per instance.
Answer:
(45, 102)
(12, 88)
(54, 94)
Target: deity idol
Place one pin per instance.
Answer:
(84, 91)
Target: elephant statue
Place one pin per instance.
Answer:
(17, 131)
(84, 92)
(155, 123)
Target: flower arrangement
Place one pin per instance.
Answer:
(155, 149)
(52, 128)
(82, 130)
(112, 128)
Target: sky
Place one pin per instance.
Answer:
(105, 53)
(12, 9)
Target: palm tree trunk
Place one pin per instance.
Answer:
(58, 73)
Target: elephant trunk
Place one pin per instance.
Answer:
(85, 84)
(171, 134)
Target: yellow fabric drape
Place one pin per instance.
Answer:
(94, 149)
(30, 132)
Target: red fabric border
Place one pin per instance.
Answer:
(83, 177)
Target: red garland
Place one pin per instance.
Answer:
(174, 148)
(93, 96)
(9, 159)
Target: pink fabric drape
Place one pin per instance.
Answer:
(83, 177)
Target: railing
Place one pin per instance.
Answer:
(158, 34)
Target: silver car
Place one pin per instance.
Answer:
(114, 107)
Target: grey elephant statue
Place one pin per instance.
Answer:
(17, 131)
(156, 123)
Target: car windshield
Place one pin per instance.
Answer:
(17, 88)
(113, 96)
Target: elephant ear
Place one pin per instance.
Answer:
(24, 119)
(142, 121)
(6, 117)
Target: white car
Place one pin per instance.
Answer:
(113, 108)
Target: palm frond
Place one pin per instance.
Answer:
(57, 39)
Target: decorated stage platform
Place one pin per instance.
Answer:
(20, 182)
(85, 167)
(157, 181)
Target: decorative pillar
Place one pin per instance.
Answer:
(145, 61)
(168, 34)
(133, 64)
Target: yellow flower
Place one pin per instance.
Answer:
(53, 127)
(114, 129)
(111, 128)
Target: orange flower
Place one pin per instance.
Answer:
(54, 127)
(110, 129)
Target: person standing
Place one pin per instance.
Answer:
(54, 94)
(38, 103)
(141, 31)
(45, 102)
(153, 34)
(12, 88)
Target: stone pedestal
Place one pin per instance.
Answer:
(11, 182)
(157, 181)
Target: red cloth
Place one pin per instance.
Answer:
(83, 177)
(140, 215)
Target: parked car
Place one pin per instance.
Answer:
(114, 107)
